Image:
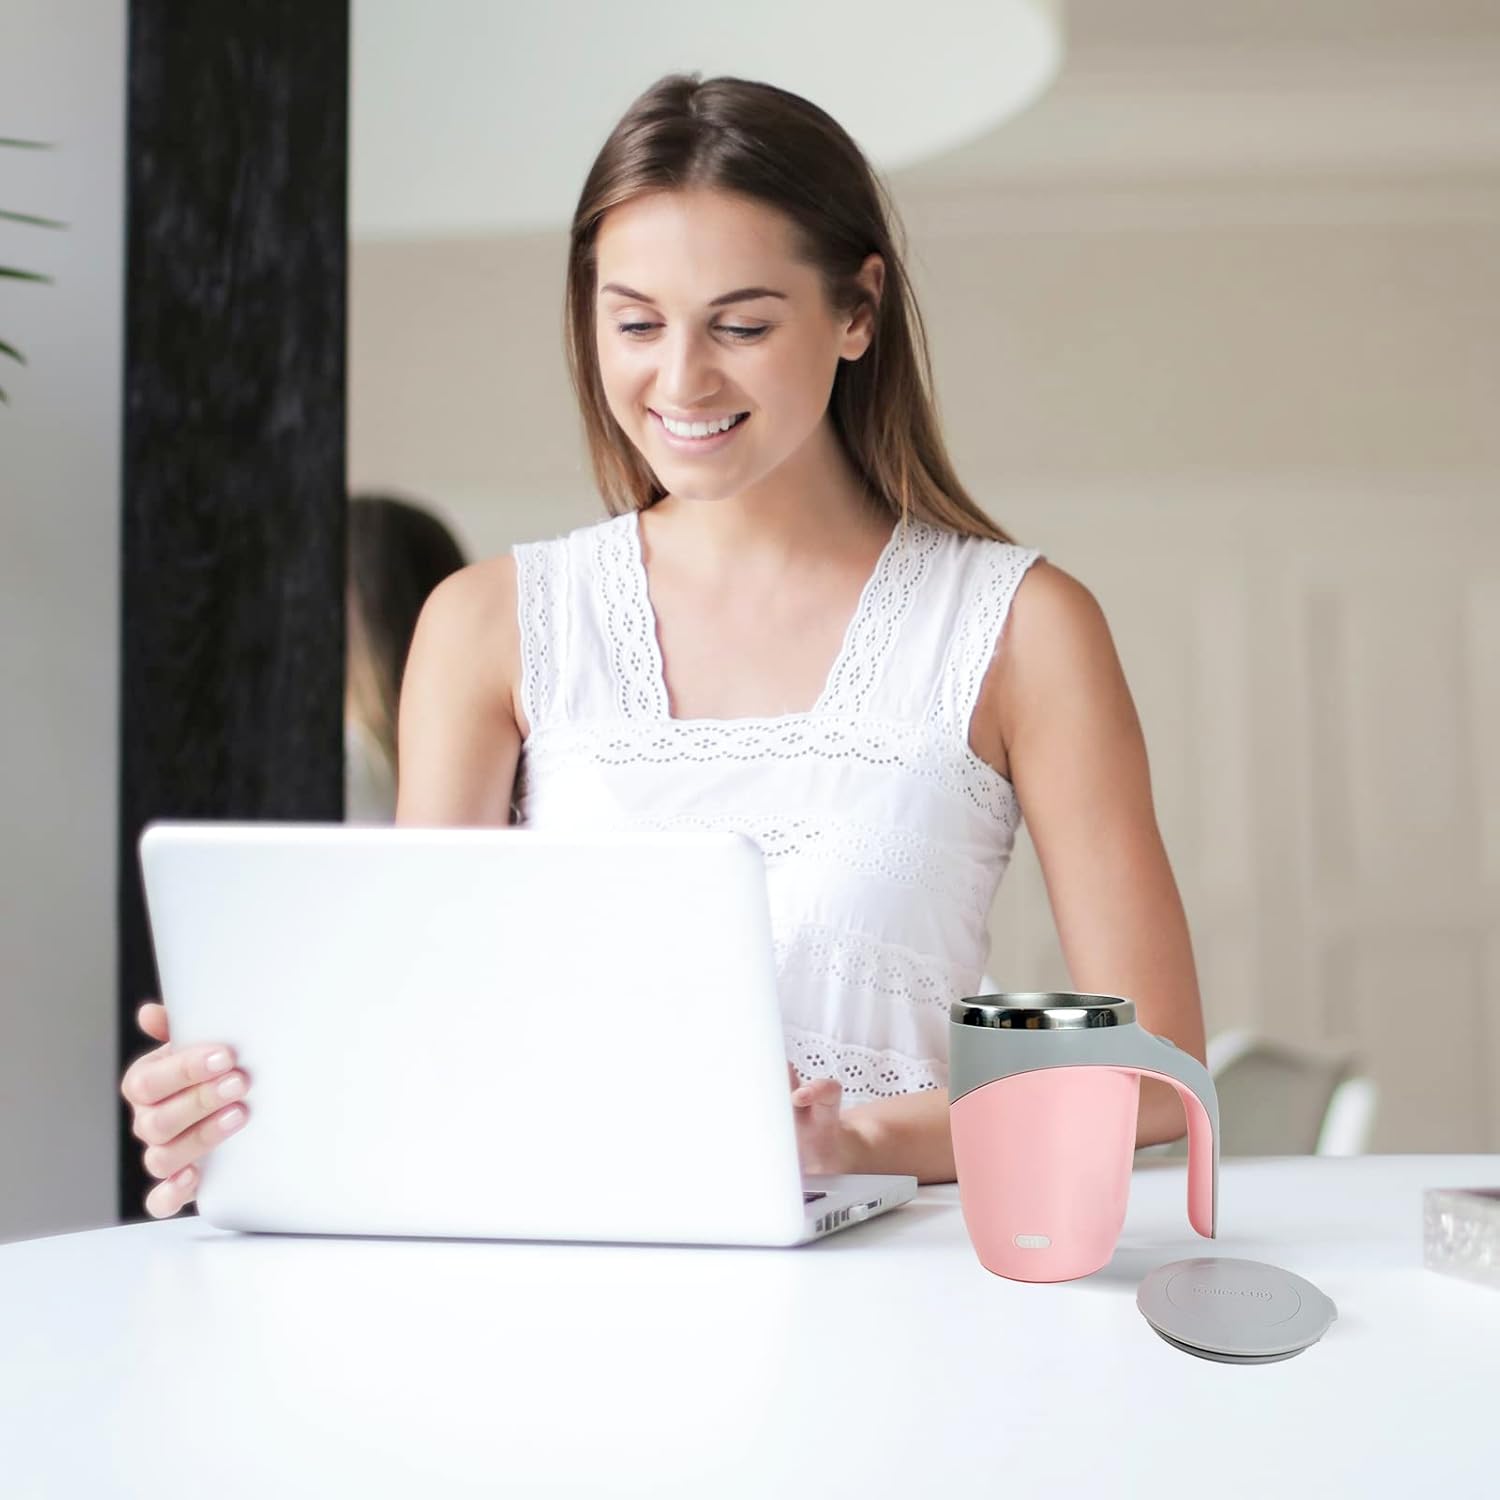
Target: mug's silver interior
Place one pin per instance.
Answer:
(1051, 1010)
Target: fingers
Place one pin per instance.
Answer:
(168, 1159)
(817, 1091)
(814, 1091)
(822, 1138)
(151, 1078)
(152, 1019)
(185, 1102)
(159, 1124)
(168, 1197)
(818, 1086)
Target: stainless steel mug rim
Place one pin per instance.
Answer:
(1042, 1010)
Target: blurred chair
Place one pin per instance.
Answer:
(1283, 1099)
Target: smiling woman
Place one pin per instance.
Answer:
(663, 225)
(684, 374)
(793, 627)
(797, 625)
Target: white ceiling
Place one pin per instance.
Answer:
(474, 116)
(441, 116)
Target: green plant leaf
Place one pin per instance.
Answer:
(32, 219)
(10, 273)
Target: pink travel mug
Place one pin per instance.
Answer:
(1043, 1093)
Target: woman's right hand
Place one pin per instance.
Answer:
(183, 1103)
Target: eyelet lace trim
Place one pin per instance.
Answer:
(884, 604)
(629, 626)
(857, 962)
(539, 567)
(973, 644)
(921, 750)
(629, 622)
(900, 855)
(865, 1072)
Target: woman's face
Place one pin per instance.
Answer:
(703, 314)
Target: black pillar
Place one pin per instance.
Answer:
(233, 489)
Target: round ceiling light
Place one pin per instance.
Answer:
(470, 117)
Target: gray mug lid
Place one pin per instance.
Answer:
(1235, 1311)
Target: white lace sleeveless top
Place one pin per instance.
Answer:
(885, 837)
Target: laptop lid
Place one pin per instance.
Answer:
(491, 1032)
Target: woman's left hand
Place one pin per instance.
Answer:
(825, 1142)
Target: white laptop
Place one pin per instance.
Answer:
(497, 1033)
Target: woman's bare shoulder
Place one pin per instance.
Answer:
(483, 590)
(1055, 648)
(1057, 641)
(1051, 605)
(468, 631)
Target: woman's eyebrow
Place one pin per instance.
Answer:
(743, 294)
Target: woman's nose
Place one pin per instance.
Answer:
(686, 376)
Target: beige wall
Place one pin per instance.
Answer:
(1257, 419)
(1067, 350)
(458, 390)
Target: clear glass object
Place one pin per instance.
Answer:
(1461, 1233)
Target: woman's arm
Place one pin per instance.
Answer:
(1078, 762)
(460, 728)
(1055, 713)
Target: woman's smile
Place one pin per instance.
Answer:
(686, 438)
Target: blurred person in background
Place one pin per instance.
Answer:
(398, 553)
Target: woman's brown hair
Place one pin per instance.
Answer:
(764, 143)
(398, 552)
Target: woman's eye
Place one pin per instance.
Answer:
(641, 330)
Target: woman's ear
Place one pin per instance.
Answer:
(860, 329)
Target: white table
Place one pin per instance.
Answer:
(171, 1359)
